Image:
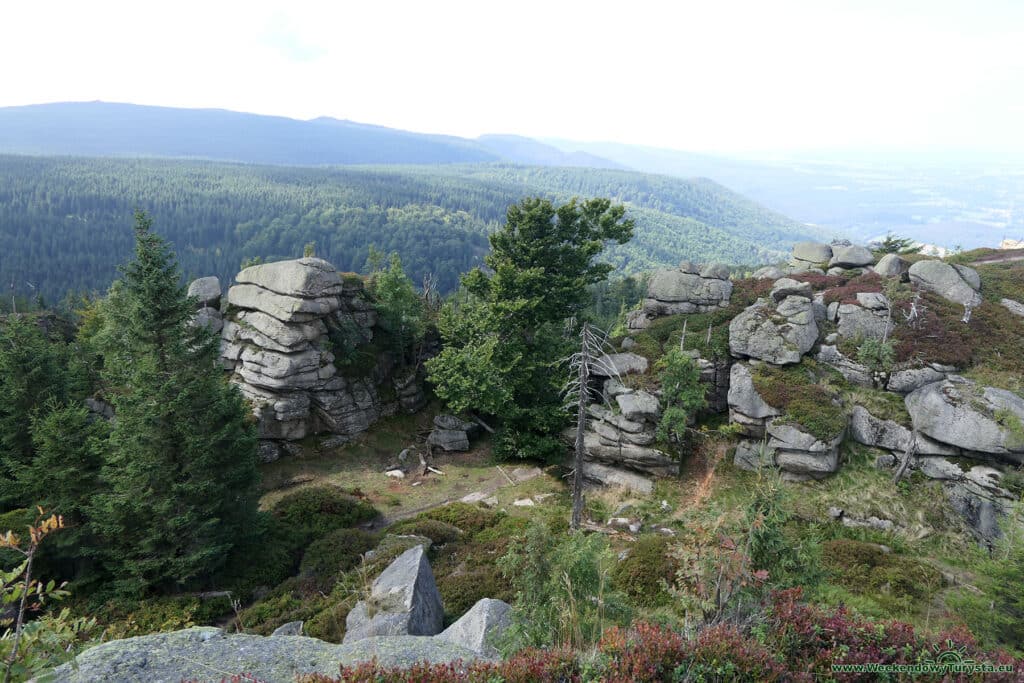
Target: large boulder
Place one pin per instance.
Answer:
(850, 257)
(619, 365)
(911, 379)
(892, 265)
(638, 405)
(961, 413)
(876, 432)
(810, 254)
(784, 287)
(480, 627)
(200, 653)
(641, 458)
(743, 396)
(404, 600)
(868, 318)
(780, 335)
(682, 290)
(308, 278)
(801, 455)
(958, 284)
(207, 291)
(606, 475)
(768, 273)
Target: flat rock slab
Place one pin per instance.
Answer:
(205, 653)
(309, 278)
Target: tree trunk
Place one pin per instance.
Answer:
(581, 425)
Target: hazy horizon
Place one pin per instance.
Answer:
(737, 78)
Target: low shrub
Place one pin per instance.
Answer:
(646, 571)
(470, 519)
(847, 293)
(806, 397)
(315, 511)
(335, 553)
(460, 590)
(437, 531)
(896, 582)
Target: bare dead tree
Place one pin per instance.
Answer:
(908, 455)
(591, 356)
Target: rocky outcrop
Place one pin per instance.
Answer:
(872, 431)
(403, 601)
(800, 455)
(973, 418)
(285, 323)
(955, 283)
(780, 334)
(480, 627)
(683, 290)
(605, 475)
(619, 365)
(201, 652)
(620, 437)
(910, 379)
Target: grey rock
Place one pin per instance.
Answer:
(480, 627)
(780, 336)
(1015, 307)
(619, 365)
(948, 282)
(403, 601)
(689, 267)
(753, 455)
(210, 318)
(622, 424)
(743, 397)
(606, 475)
(638, 406)
(832, 312)
(811, 252)
(801, 455)
(856, 321)
(448, 439)
(831, 338)
(979, 499)
(851, 257)
(613, 387)
(281, 306)
(788, 287)
(961, 413)
(715, 271)
(768, 273)
(869, 430)
(885, 461)
(627, 344)
(892, 265)
(676, 286)
(912, 379)
(936, 467)
(641, 458)
(875, 301)
(269, 332)
(309, 278)
(836, 270)
(292, 628)
(192, 654)
(970, 275)
(453, 423)
(207, 291)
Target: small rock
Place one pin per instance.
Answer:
(524, 503)
(835, 513)
(491, 502)
(292, 628)
(395, 474)
(475, 497)
(886, 461)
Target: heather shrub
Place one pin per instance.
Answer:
(469, 518)
(335, 553)
(437, 531)
(313, 512)
(646, 572)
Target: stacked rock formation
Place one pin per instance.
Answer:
(779, 330)
(277, 343)
(686, 289)
(207, 292)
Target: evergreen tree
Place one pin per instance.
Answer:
(401, 309)
(504, 344)
(31, 373)
(180, 464)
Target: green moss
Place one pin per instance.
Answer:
(645, 572)
(807, 395)
(896, 582)
(884, 405)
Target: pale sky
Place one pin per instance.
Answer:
(708, 75)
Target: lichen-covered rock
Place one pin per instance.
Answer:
(638, 405)
(480, 627)
(753, 455)
(768, 273)
(1015, 307)
(801, 455)
(788, 287)
(851, 370)
(624, 454)
(404, 600)
(203, 652)
(780, 335)
(961, 413)
(606, 475)
(857, 321)
(307, 278)
(715, 271)
(911, 379)
(449, 439)
(743, 396)
(958, 284)
(675, 291)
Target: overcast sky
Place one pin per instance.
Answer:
(708, 75)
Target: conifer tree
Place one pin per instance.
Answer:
(180, 464)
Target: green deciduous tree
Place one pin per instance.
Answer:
(504, 340)
(180, 465)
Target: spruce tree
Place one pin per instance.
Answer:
(180, 464)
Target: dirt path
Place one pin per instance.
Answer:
(1004, 257)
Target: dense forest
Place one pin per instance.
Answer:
(65, 222)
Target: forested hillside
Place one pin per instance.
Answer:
(65, 223)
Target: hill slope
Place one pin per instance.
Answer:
(111, 129)
(65, 223)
